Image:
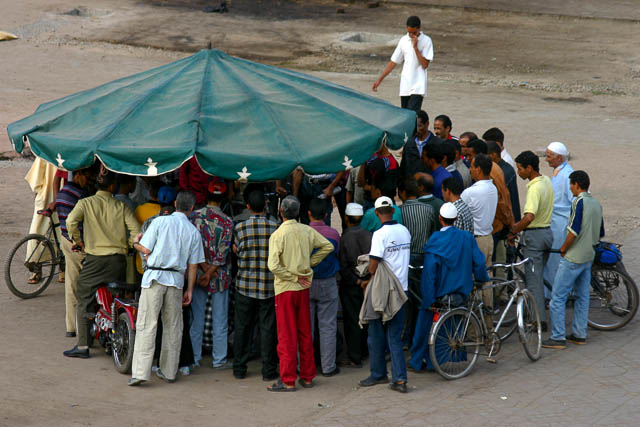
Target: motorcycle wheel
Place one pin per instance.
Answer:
(122, 344)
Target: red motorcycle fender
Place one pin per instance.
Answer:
(132, 312)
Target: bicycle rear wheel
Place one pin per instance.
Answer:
(501, 297)
(30, 257)
(529, 328)
(454, 343)
(613, 298)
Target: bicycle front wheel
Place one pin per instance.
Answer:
(454, 343)
(529, 328)
(613, 298)
(30, 266)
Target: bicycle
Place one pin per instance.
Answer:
(613, 296)
(457, 334)
(34, 257)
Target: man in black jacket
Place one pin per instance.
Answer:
(412, 152)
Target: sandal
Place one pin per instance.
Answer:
(305, 384)
(36, 278)
(61, 278)
(280, 386)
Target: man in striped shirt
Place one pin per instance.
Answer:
(254, 298)
(66, 200)
(451, 190)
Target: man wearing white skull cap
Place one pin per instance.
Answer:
(556, 156)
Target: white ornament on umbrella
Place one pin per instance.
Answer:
(60, 160)
(347, 163)
(244, 174)
(152, 169)
(406, 137)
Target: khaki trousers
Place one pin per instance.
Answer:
(485, 243)
(155, 300)
(73, 265)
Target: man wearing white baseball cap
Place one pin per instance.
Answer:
(556, 156)
(452, 260)
(391, 245)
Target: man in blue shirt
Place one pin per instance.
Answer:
(413, 150)
(433, 157)
(172, 246)
(452, 259)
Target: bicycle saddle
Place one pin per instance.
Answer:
(45, 212)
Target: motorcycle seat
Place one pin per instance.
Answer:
(122, 286)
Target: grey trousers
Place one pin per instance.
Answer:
(153, 300)
(536, 242)
(323, 301)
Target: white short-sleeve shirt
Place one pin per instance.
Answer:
(392, 244)
(482, 199)
(413, 79)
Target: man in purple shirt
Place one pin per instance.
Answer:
(323, 296)
(433, 157)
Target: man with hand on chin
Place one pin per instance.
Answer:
(172, 246)
(415, 50)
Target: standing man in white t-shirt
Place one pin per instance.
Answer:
(415, 51)
(390, 244)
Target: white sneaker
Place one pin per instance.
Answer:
(154, 369)
(184, 371)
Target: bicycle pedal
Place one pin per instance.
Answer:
(492, 360)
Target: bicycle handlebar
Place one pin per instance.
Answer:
(512, 265)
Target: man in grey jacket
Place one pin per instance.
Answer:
(391, 245)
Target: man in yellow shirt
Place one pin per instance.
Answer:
(106, 221)
(294, 249)
(535, 222)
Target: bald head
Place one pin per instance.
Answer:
(425, 183)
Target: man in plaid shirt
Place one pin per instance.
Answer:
(255, 297)
(451, 190)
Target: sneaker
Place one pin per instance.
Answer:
(223, 366)
(155, 368)
(575, 340)
(551, 343)
(399, 387)
(134, 382)
(195, 365)
(370, 381)
(184, 371)
(164, 378)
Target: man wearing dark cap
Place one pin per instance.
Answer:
(105, 221)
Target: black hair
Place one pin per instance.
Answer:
(124, 179)
(426, 182)
(410, 186)
(493, 147)
(448, 221)
(483, 162)
(386, 210)
(453, 185)
(256, 201)
(434, 151)
(355, 220)
(581, 178)
(318, 208)
(105, 179)
(449, 152)
(413, 22)
(469, 135)
(446, 121)
(494, 134)
(216, 198)
(528, 158)
(455, 144)
(250, 188)
(422, 115)
(478, 145)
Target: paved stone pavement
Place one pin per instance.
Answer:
(583, 385)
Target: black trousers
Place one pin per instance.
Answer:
(351, 298)
(412, 102)
(249, 311)
(186, 350)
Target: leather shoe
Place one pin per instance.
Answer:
(270, 377)
(332, 373)
(74, 352)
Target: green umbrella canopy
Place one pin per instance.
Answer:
(239, 118)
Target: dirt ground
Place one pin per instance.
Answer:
(541, 71)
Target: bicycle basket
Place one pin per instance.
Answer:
(607, 253)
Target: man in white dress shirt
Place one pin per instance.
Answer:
(415, 52)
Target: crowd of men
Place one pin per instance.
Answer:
(449, 205)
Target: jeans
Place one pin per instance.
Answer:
(392, 331)
(536, 242)
(323, 303)
(576, 277)
(220, 308)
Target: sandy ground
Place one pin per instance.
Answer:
(538, 70)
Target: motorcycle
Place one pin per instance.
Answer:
(114, 323)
